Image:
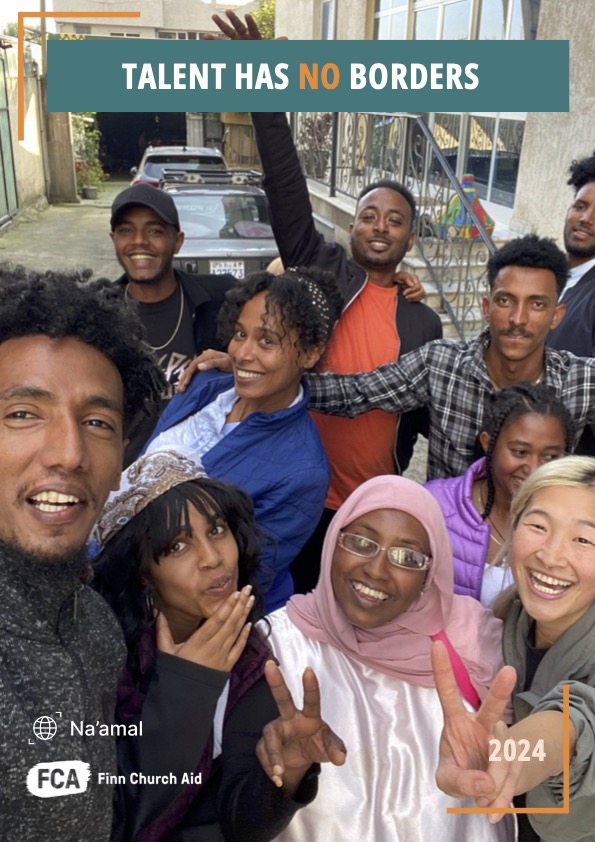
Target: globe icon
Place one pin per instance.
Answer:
(44, 728)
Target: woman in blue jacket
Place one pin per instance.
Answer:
(251, 427)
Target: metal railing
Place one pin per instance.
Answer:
(346, 150)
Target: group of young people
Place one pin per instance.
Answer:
(397, 665)
(424, 668)
(180, 568)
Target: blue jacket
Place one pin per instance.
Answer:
(277, 458)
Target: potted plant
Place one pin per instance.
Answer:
(88, 169)
(89, 178)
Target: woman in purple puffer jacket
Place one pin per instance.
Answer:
(525, 426)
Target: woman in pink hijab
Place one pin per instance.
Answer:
(385, 592)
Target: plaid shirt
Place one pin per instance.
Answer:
(450, 378)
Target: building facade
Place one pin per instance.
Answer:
(24, 171)
(182, 20)
(512, 156)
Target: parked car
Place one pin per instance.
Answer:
(184, 158)
(227, 228)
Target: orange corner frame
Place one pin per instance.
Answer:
(21, 50)
(565, 808)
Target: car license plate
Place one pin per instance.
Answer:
(227, 267)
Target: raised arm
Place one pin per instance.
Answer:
(284, 181)
(287, 191)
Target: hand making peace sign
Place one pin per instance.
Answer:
(298, 738)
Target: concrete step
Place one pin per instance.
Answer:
(474, 317)
(448, 329)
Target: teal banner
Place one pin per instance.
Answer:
(155, 75)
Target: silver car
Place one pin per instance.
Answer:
(157, 158)
(227, 228)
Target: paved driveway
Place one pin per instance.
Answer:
(65, 236)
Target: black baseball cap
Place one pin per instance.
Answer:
(146, 196)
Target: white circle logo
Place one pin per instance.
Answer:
(44, 728)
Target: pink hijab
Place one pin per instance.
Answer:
(401, 648)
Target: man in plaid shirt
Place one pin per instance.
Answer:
(454, 378)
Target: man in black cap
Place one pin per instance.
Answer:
(178, 310)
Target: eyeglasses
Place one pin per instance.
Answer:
(398, 556)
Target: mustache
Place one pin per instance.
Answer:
(516, 332)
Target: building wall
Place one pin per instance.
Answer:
(302, 19)
(299, 19)
(28, 157)
(28, 153)
(173, 15)
(122, 27)
(355, 21)
(551, 140)
(151, 14)
(62, 178)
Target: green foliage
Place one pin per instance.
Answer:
(86, 138)
(88, 175)
(265, 18)
(32, 30)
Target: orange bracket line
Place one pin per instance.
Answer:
(21, 50)
(565, 808)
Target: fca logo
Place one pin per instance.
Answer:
(63, 777)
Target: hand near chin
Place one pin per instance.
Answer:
(204, 362)
(219, 641)
(298, 738)
(463, 768)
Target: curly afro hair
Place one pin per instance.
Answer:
(61, 305)
(306, 300)
(535, 253)
(582, 172)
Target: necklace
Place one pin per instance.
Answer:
(543, 637)
(490, 521)
(177, 327)
(498, 386)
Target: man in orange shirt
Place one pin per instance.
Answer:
(378, 323)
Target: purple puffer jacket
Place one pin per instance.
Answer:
(469, 534)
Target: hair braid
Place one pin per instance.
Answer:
(498, 424)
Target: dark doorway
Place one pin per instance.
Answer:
(125, 136)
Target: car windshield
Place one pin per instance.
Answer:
(218, 216)
(153, 166)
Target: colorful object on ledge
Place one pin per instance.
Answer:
(455, 222)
